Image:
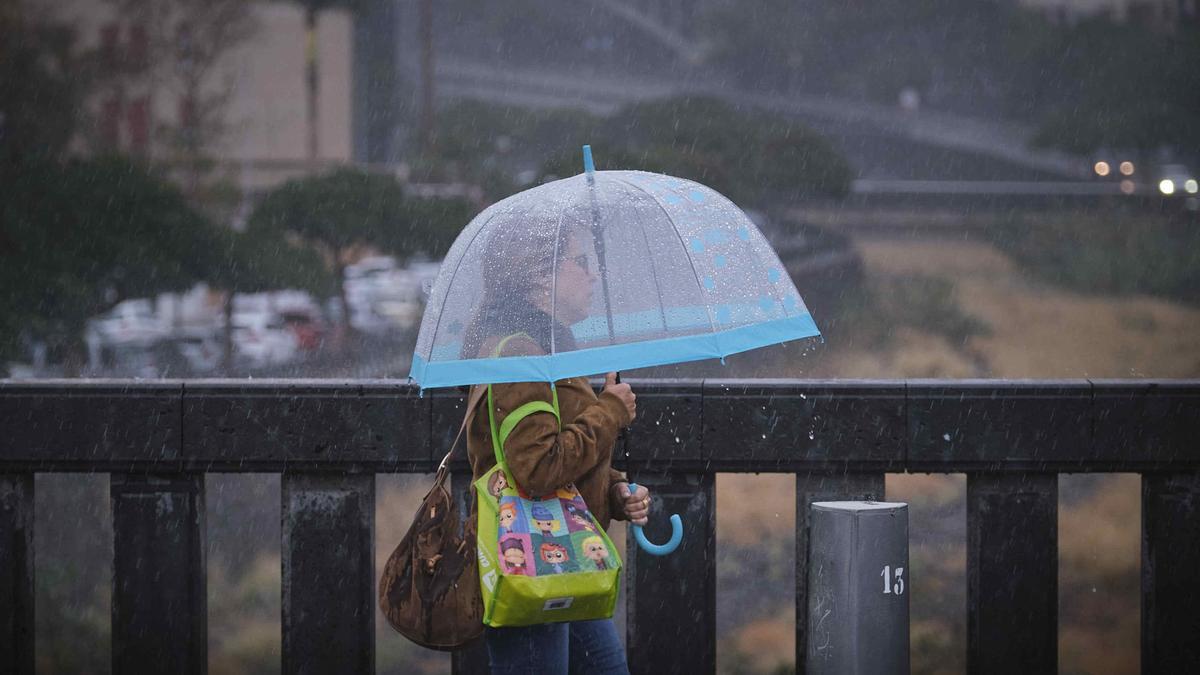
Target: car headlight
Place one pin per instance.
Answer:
(1166, 186)
(1190, 186)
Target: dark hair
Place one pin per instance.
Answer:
(511, 264)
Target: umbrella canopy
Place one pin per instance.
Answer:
(607, 271)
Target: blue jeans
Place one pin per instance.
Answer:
(574, 648)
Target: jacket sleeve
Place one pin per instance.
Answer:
(541, 457)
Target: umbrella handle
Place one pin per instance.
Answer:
(659, 549)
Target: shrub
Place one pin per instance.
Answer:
(748, 155)
(1120, 253)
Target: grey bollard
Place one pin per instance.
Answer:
(858, 583)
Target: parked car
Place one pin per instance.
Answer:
(307, 325)
(401, 300)
(131, 360)
(200, 354)
(261, 340)
(252, 303)
(364, 278)
(131, 321)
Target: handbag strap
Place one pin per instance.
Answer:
(472, 403)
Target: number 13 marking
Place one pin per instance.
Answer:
(888, 585)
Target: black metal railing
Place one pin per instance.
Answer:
(329, 439)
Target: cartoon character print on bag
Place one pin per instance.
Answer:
(497, 484)
(594, 552)
(546, 519)
(578, 519)
(515, 556)
(554, 556)
(511, 517)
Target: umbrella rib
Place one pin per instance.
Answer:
(554, 278)
(662, 313)
(707, 308)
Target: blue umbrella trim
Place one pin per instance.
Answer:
(595, 360)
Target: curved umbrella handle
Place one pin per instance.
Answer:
(659, 549)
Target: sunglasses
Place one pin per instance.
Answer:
(581, 260)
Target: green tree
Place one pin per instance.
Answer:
(256, 261)
(83, 235)
(1121, 87)
(432, 224)
(333, 213)
(746, 154)
(89, 233)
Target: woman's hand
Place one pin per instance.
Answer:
(623, 392)
(636, 506)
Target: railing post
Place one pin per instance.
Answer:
(1012, 573)
(858, 588)
(820, 487)
(159, 607)
(671, 600)
(1170, 564)
(474, 659)
(16, 573)
(328, 573)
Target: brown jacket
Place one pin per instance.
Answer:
(540, 456)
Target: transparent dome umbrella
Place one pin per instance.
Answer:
(607, 271)
(685, 275)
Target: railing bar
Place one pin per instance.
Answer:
(1012, 573)
(1170, 560)
(328, 575)
(671, 600)
(16, 574)
(159, 604)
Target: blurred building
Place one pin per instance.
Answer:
(166, 86)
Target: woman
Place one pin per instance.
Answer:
(535, 296)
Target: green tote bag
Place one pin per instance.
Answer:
(544, 558)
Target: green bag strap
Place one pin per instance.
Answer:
(514, 418)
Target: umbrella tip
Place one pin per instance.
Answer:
(588, 166)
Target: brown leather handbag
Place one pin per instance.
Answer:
(429, 589)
